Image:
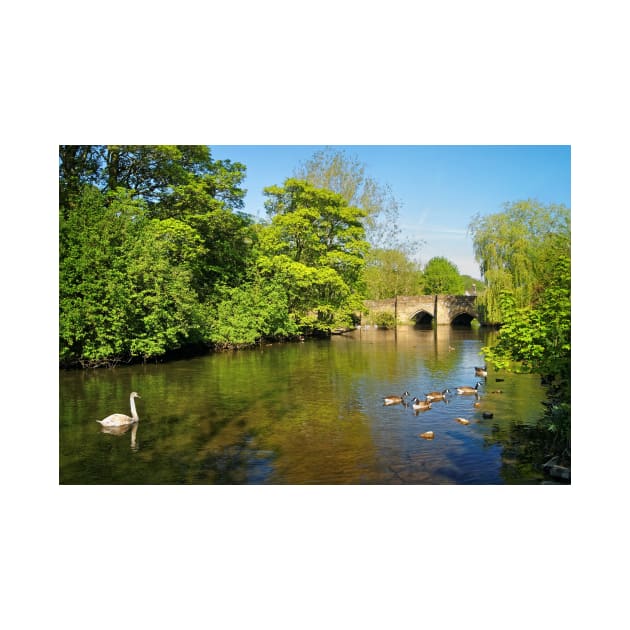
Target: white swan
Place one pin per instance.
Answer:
(120, 419)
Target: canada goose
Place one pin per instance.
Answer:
(420, 405)
(394, 400)
(481, 371)
(437, 395)
(120, 419)
(466, 389)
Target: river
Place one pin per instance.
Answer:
(302, 413)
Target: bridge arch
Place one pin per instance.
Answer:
(422, 318)
(463, 319)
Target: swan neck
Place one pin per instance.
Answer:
(134, 413)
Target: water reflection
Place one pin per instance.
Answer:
(303, 413)
(121, 430)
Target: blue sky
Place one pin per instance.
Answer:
(440, 188)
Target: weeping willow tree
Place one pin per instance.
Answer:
(511, 246)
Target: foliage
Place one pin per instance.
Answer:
(442, 276)
(510, 248)
(124, 281)
(537, 338)
(315, 247)
(146, 235)
(389, 272)
(246, 314)
(384, 319)
(344, 174)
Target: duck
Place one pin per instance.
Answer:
(481, 371)
(427, 435)
(462, 421)
(120, 419)
(420, 405)
(466, 389)
(395, 400)
(437, 395)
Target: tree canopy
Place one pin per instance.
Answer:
(442, 276)
(344, 174)
(510, 247)
(315, 245)
(138, 266)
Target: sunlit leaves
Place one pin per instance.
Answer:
(315, 247)
(390, 272)
(442, 276)
(510, 247)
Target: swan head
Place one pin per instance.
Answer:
(135, 395)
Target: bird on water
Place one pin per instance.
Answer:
(394, 400)
(120, 419)
(466, 389)
(437, 395)
(420, 405)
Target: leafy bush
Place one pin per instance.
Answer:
(384, 319)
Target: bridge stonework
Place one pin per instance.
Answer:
(424, 309)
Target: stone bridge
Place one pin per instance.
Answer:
(428, 309)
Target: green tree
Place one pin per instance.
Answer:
(250, 312)
(315, 247)
(442, 276)
(95, 296)
(510, 247)
(166, 312)
(148, 236)
(537, 339)
(78, 165)
(389, 272)
(125, 285)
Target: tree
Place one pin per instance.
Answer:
(442, 276)
(509, 247)
(537, 339)
(389, 272)
(250, 312)
(345, 175)
(78, 165)
(95, 296)
(125, 281)
(315, 247)
(148, 235)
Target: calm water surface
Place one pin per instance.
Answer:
(301, 413)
